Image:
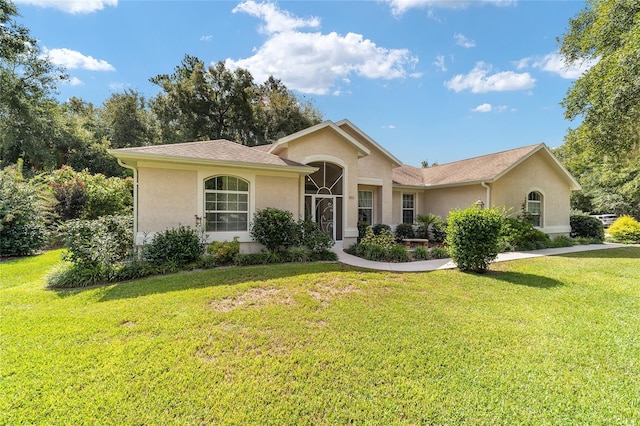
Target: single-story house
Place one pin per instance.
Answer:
(336, 174)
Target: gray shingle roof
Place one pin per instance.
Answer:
(217, 150)
(477, 169)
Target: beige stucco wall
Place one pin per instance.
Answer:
(172, 195)
(279, 192)
(167, 198)
(376, 169)
(537, 173)
(441, 201)
(327, 145)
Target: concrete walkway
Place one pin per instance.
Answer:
(435, 264)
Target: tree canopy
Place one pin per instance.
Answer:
(607, 96)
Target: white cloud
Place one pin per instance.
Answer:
(312, 62)
(464, 41)
(399, 7)
(276, 20)
(478, 80)
(557, 64)
(440, 63)
(483, 108)
(72, 59)
(72, 6)
(206, 38)
(74, 81)
(390, 126)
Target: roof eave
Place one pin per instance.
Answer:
(137, 157)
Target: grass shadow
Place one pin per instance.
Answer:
(188, 280)
(529, 280)
(628, 252)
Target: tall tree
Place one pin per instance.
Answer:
(279, 112)
(27, 81)
(127, 120)
(607, 96)
(201, 103)
(610, 182)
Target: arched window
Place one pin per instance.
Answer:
(226, 204)
(534, 208)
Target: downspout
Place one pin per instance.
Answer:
(488, 196)
(135, 199)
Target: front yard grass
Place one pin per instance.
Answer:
(552, 340)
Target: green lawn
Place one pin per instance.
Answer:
(542, 341)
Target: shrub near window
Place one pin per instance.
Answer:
(404, 231)
(275, 229)
(175, 247)
(473, 237)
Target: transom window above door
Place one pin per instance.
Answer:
(327, 180)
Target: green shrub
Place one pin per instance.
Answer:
(625, 230)
(421, 253)
(362, 228)
(174, 248)
(262, 258)
(431, 227)
(438, 253)
(520, 234)
(24, 209)
(383, 239)
(299, 254)
(398, 254)
(585, 226)
(324, 256)
(311, 236)
(404, 231)
(473, 237)
(380, 228)
(81, 194)
(275, 229)
(223, 252)
(206, 261)
(76, 276)
(562, 241)
(98, 244)
(374, 252)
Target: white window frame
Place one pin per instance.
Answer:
(369, 208)
(540, 203)
(403, 208)
(246, 212)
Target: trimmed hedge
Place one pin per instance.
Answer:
(473, 237)
(585, 226)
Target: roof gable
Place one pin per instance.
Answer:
(486, 168)
(346, 123)
(282, 143)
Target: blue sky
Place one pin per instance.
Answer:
(430, 80)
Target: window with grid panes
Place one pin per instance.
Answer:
(408, 208)
(226, 204)
(365, 207)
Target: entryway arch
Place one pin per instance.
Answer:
(324, 191)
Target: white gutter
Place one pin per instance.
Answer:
(488, 196)
(135, 199)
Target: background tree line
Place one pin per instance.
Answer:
(196, 102)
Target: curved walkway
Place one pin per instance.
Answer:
(435, 264)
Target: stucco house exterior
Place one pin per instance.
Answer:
(337, 175)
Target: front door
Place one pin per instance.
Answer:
(325, 214)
